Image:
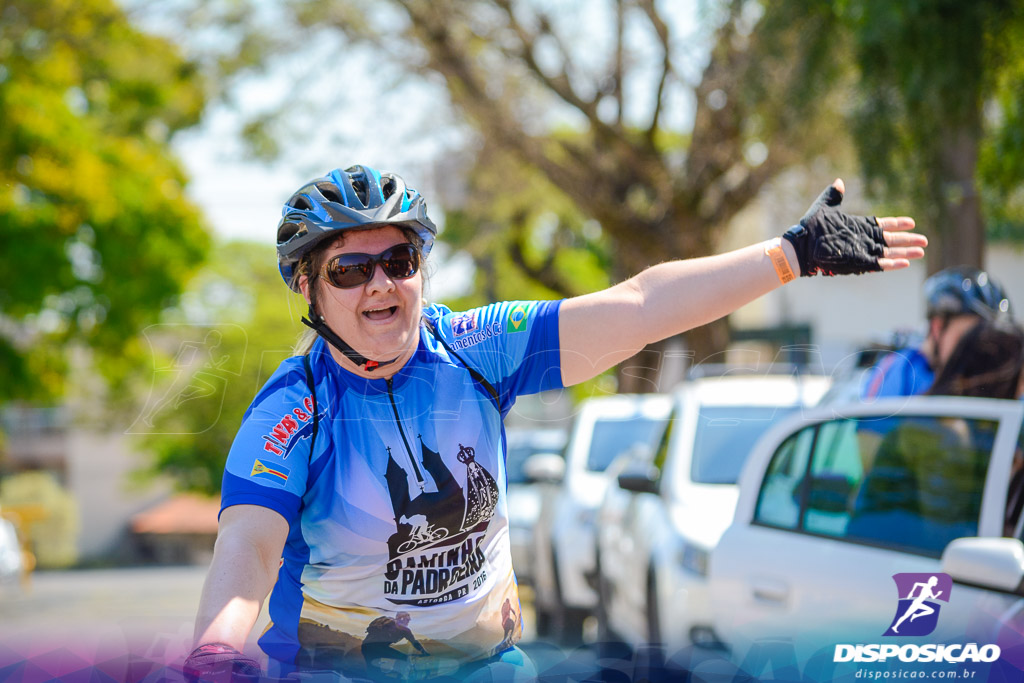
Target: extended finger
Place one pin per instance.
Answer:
(893, 264)
(904, 239)
(910, 253)
(895, 223)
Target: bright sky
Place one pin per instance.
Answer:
(242, 197)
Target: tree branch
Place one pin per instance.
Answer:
(546, 274)
(716, 131)
(559, 84)
(468, 87)
(661, 28)
(617, 71)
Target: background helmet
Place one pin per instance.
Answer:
(358, 198)
(960, 290)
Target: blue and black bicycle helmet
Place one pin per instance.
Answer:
(965, 290)
(358, 198)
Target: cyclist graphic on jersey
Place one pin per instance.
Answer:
(438, 514)
(425, 517)
(420, 527)
(381, 634)
(509, 620)
(918, 608)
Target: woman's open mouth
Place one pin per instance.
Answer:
(380, 313)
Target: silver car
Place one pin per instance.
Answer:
(525, 492)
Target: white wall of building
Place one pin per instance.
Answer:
(99, 468)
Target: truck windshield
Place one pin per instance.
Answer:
(725, 437)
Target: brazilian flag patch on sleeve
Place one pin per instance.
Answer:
(517, 320)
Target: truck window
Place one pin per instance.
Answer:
(910, 483)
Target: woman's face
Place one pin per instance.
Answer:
(379, 319)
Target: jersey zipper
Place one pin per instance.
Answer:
(408, 450)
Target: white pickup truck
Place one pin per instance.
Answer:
(834, 504)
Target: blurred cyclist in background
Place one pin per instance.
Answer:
(987, 363)
(957, 299)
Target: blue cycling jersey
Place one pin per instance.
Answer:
(399, 512)
(901, 373)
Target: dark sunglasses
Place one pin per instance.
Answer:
(346, 271)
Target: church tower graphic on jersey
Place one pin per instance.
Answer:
(443, 517)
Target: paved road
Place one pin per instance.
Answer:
(100, 614)
(135, 620)
(141, 602)
(151, 598)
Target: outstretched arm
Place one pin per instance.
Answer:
(599, 330)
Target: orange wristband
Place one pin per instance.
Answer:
(773, 248)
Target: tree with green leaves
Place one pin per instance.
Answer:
(210, 355)
(526, 237)
(939, 116)
(99, 234)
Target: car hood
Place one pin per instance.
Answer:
(702, 512)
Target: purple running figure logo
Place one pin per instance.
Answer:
(918, 611)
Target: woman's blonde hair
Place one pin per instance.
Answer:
(305, 343)
(312, 263)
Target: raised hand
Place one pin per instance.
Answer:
(832, 242)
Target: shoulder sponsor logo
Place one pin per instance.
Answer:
(464, 324)
(270, 472)
(475, 338)
(517, 321)
(290, 429)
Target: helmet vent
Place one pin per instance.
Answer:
(359, 187)
(387, 188)
(330, 193)
(301, 202)
(288, 231)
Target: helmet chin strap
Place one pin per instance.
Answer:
(318, 325)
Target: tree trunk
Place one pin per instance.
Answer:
(642, 374)
(707, 343)
(959, 227)
(660, 366)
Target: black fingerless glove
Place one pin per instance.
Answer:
(220, 663)
(835, 243)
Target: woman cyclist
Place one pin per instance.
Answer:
(395, 414)
(957, 299)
